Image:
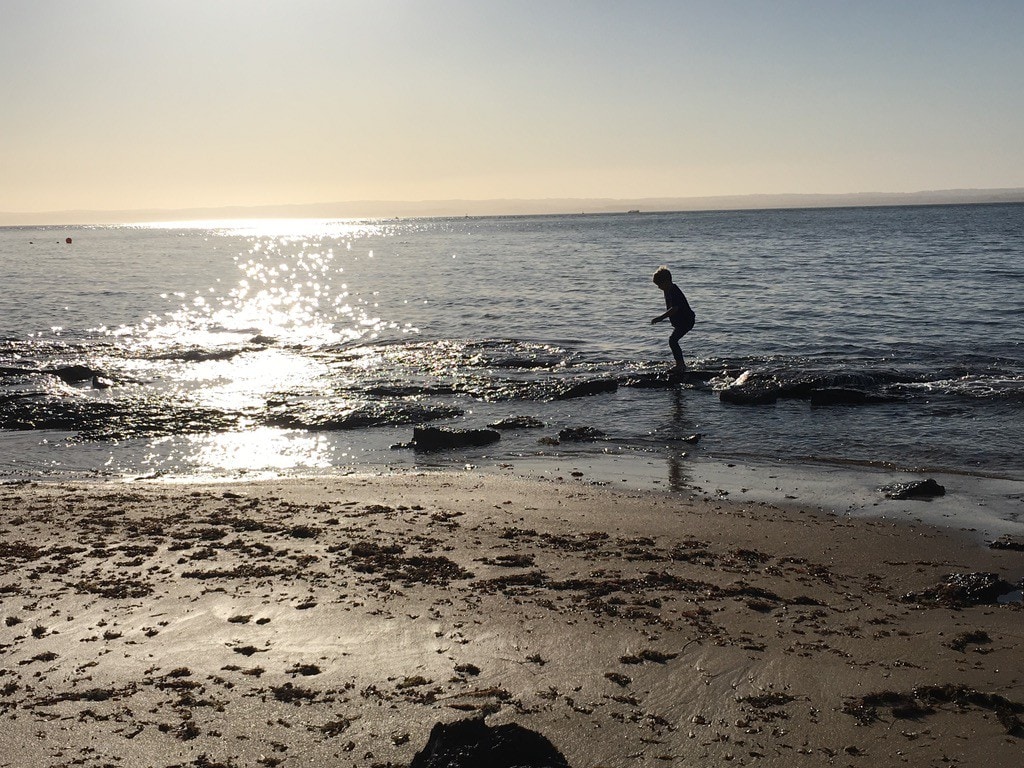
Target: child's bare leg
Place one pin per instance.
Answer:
(677, 352)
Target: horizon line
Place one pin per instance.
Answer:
(455, 207)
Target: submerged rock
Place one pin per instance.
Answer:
(650, 381)
(518, 422)
(439, 438)
(841, 396)
(587, 388)
(761, 393)
(73, 374)
(820, 388)
(918, 489)
(474, 744)
(580, 434)
(667, 379)
(750, 388)
(363, 415)
(199, 355)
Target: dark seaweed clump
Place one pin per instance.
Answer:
(962, 590)
(924, 699)
(390, 563)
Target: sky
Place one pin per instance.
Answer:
(131, 104)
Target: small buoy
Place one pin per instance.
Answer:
(68, 241)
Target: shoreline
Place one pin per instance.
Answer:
(336, 620)
(985, 506)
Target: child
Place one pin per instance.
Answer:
(678, 310)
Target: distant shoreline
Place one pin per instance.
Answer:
(512, 207)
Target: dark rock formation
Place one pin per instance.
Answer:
(761, 393)
(827, 388)
(439, 438)
(199, 355)
(473, 744)
(667, 380)
(918, 489)
(587, 388)
(650, 381)
(518, 422)
(73, 374)
(325, 417)
(5, 371)
(841, 396)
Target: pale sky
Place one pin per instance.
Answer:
(126, 104)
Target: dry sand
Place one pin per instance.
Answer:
(332, 622)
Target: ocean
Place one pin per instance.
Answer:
(875, 337)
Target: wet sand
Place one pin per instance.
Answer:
(333, 622)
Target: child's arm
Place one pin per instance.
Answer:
(665, 315)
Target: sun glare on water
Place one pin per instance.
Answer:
(262, 450)
(292, 289)
(249, 380)
(265, 332)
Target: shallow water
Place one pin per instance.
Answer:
(310, 346)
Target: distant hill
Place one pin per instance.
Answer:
(391, 209)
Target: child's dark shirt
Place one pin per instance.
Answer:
(684, 316)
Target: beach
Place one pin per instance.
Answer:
(334, 621)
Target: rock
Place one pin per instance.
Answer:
(473, 744)
(199, 355)
(918, 489)
(840, 396)
(961, 590)
(5, 371)
(758, 393)
(518, 422)
(580, 434)
(73, 374)
(650, 381)
(587, 388)
(101, 382)
(821, 388)
(439, 438)
(667, 379)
